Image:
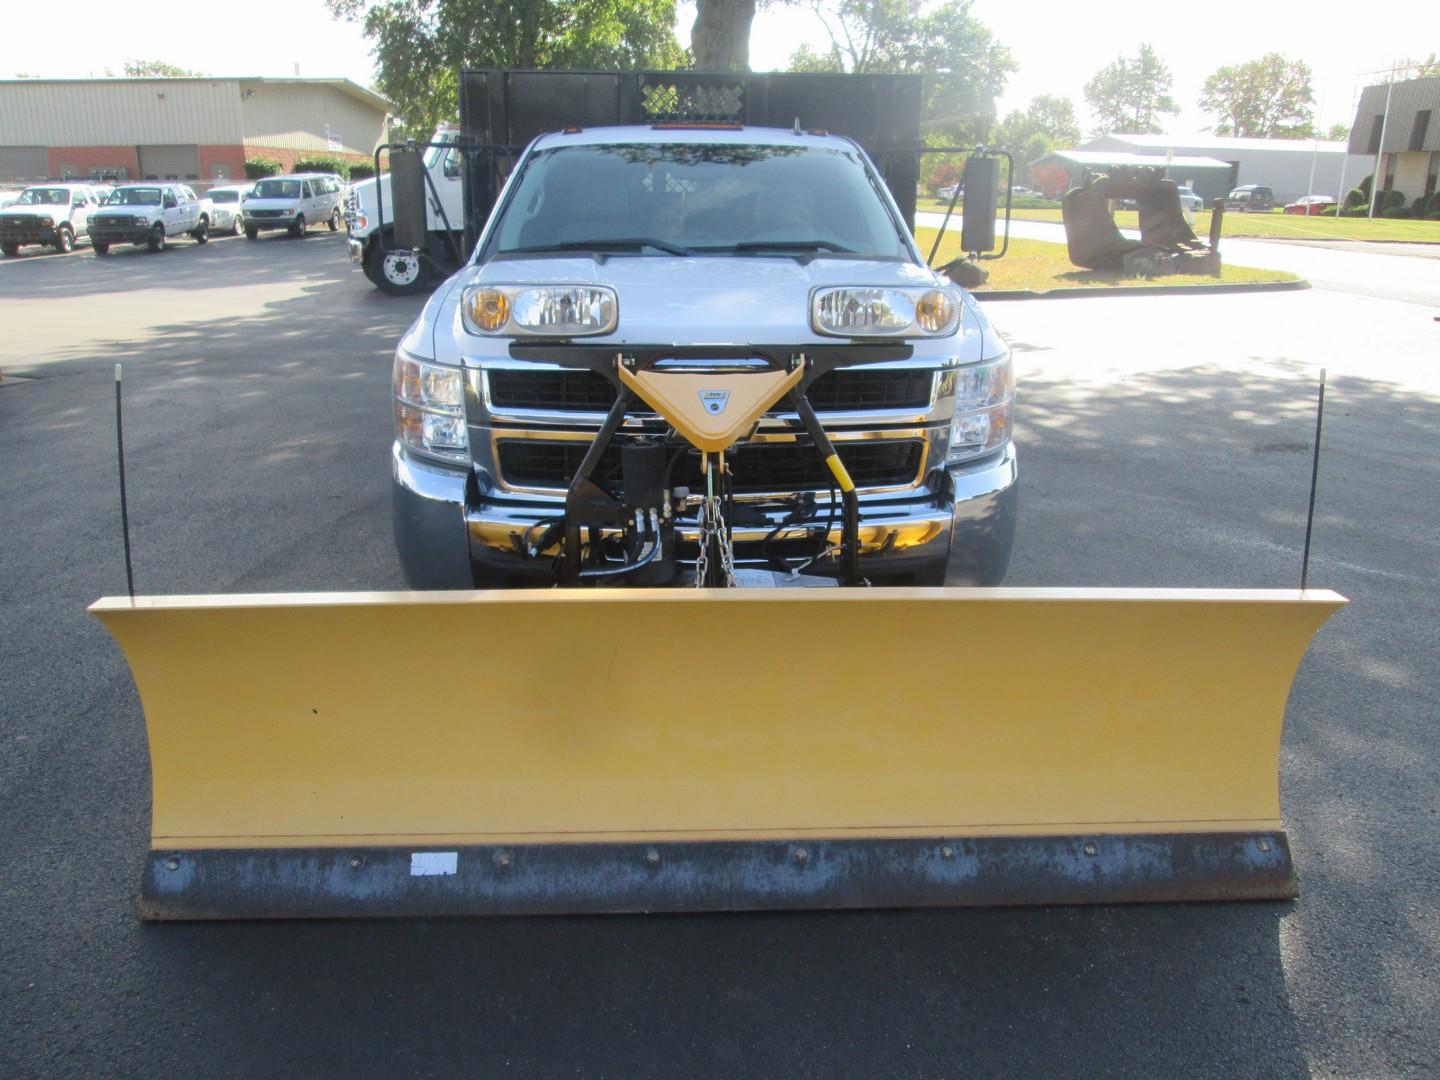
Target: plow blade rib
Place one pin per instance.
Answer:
(667, 750)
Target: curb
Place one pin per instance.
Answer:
(1084, 293)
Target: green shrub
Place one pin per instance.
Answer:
(1434, 206)
(362, 170)
(1356, 197)
(1400, 213)
(1329, 211)
(1366, 186)
(1390, 199)
(1417, 209)
(260, 167)
(1434, 215)
(321, 163)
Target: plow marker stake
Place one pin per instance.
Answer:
(629, 750)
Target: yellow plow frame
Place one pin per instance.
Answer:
(682, 749)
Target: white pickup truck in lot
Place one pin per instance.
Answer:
(713, 250)
(51, 214)
(151, 214)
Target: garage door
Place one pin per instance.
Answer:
(23, 163)
(169, 162)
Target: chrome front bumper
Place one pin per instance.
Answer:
(965, 514)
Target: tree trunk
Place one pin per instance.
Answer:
(720, 38)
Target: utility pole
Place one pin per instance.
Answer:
(1380, 156)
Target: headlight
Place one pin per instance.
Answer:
(984, 408)
(430, 408)
(857, 312)
(544, 311)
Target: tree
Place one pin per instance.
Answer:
(157, 69)
(1047, 124)
(1339, 131)
(1269, 98)
(1055, 117)
(419, 45)
(1131, 95)
(964, 67)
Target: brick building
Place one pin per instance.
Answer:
(199, 129)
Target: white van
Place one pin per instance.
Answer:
(293, 203)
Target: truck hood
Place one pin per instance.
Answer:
(126, 211)
(49, 213)
(706, 300)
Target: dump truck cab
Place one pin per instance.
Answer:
(733, 241)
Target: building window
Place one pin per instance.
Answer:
(1375, 131)
(1418, 129)
(1432, 174)
(1389, 172)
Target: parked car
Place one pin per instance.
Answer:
(1019, 192)
(1189, 200)
(947, 192)
(1309, 204)
(151, 214)
(50, 214)
(226, 202)
(1250, 199)
(293, 203)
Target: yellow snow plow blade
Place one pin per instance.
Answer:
(680, 749)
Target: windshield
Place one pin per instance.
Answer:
(224, 196)
(698, 199)
(277, 189)
(44, 196)
(134, 196)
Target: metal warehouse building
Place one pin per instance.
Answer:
(184, 129)
(1289, 167)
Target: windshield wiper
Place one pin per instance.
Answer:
(626, 243)
(791, 245)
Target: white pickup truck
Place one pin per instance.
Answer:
(51, 214)
(711, 250)
(151, 214)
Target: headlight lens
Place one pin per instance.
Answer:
(545, 311)
(430, 408)
(984, 408)
(857, 312)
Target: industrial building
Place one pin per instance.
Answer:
(1208, 177)
(199, 129)
(1289, 167)
(1400, 122)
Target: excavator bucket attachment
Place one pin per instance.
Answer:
(393, 754)
(1095, 242)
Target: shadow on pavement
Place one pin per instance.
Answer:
(258, 454)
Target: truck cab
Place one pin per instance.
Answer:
(732, 240)
(401, 272)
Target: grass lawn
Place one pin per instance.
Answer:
(1040, 265)
(1283, 225)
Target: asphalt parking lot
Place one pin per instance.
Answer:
(1163, 442)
